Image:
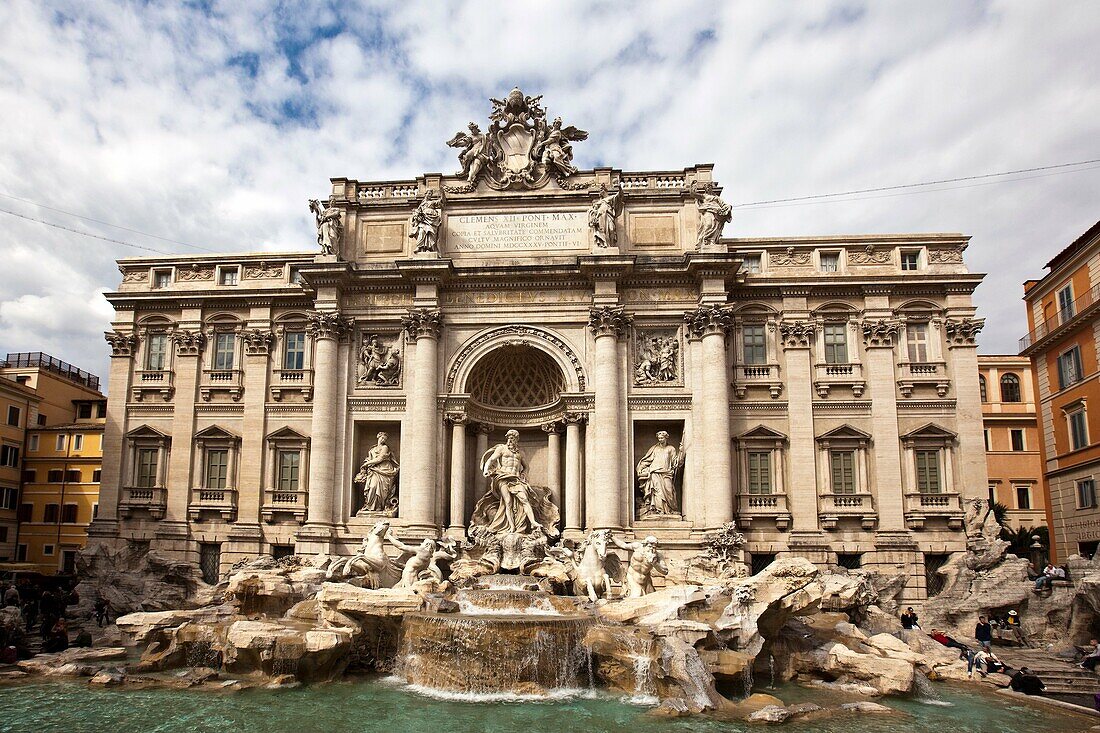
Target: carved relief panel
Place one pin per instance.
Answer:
(657, 357)
(379, 360)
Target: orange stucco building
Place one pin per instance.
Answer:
(1063, 313)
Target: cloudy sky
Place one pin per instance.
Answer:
(210, 123)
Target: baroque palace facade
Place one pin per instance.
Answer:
(820, 392)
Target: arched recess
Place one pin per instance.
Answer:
(472, 351)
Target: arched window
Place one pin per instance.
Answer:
(1010, 388)
(981, 388)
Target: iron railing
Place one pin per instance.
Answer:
(40, 360)
(1062, 317)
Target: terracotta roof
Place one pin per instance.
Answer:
(1074, 247)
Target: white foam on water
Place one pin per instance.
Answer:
(494, 697)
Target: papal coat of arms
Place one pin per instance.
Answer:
(519, 150)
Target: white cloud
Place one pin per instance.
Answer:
(213, 126)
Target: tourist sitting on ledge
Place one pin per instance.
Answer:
(58, 639)
(947, 641)
(985, 662)
(1093, 658)
(909, 619)
(1026, 682)
(1050, 574)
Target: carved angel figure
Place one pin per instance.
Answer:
(426, 222)
(554, 150)
(714, 214)
(602, 216)
(329, 226)
(477, 152)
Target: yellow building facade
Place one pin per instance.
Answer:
(18, 409)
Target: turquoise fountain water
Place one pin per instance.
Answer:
(366, 706)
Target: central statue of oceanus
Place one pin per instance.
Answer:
(511, 504)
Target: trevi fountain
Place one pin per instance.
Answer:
(355, 571)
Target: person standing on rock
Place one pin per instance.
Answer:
(909, 619)
(983, 633)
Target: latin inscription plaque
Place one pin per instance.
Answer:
(555, 230)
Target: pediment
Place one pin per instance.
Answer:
(845, 432)
(216, 432)
(761, 432)
(287, 433)
(144, 431)
(930, 431)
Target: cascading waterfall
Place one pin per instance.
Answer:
(771, 671)
(746, 679)
(924, 692)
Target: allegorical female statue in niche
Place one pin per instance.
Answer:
(378, 475)
(656, 479)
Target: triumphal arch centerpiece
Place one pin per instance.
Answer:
(525, 347)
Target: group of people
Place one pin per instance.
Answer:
(1046, 578)
(43, 606)
(982, 660)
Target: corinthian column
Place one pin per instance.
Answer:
(457, 527)
(711, 324)
(604, 500)
(420, 470)
(553, 460)
(326, 328)
(573, 515)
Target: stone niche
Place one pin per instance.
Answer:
(645, 437)
(366, 436)
(533, 443)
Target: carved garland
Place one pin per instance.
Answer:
(950, 256)
(195, 273)
(791, 258)
(135, 276)
(869, 256)
(557, 343)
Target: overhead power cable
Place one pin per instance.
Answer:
(918, 185)
(105, 223)
(86, 234)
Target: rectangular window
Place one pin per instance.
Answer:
(1069, 367)
(97, 475)
(210, 558)
(3, 534)
(1023, 497)
(162, 278)
(289, 461)
(1078, 429)
(156, 352)
(228, 276)
(95, 511)
(850, 560)
(13, 415)
(1017, 439)
(836, 343)
(101, 410)
(146, 477)
(55, 476)
(751, 263)
(294, 350)
(1086, 494)
(295, 275)
(26, 512)
(73, 477)
(41, 419)
(9, 456)
(754, 345)
(760, 472)
(78, 442)
(916, 336)
(47, 550)
(988, 442)
(278, 552)
(21, 553)
(32, 443)
(60, 444)
(69, 513)
(830, 261)
(9, 498)
(1065, 304)
(910, 261)
(30, 475)
(217, 466)
(53, 511)
(928, 471)
(843, 469)
(224, 350)
(84, 412)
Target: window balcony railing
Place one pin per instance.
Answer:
(757, 375)
(291, 380)
(220, 380)
(827, 376)
(1063, 317)
(152, 381)
(920, 506)
(153, 499)
(221, 501)
(764, 507)
(933, 373)
(833, 507)
(277, 501)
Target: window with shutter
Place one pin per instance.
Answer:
(843, 468)
(760, 472)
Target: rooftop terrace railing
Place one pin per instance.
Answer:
(40, 360)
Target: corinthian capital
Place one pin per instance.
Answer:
(880, 333)
(122, 344)
(708, 320)
(257, 342)
(327, 325)
(422, 323)
(963, 331)
(796, 334)
(188, 343)
(609, 320)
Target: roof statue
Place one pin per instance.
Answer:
(519, 150)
